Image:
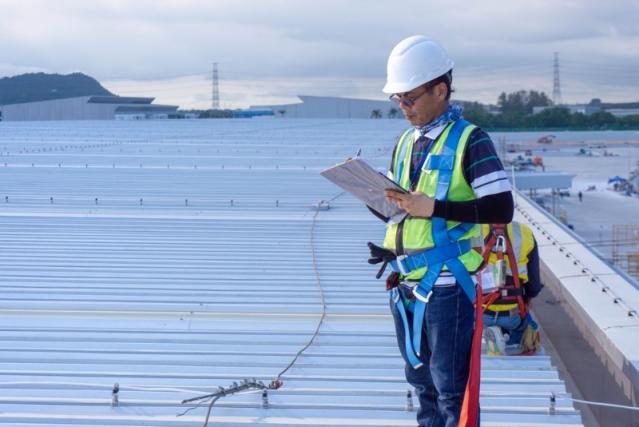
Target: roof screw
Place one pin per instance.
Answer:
(231, 202)
(186, 202)
(141, 201)
(277, 203)
(51, 200)
(409, 401)
(96, 200)
(264, 399)
(115, 401)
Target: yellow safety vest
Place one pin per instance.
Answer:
(415, 234)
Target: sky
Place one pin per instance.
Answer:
(270, 51)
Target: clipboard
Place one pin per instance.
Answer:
(361, 180)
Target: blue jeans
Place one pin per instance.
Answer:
(513, 325)
(446, 341)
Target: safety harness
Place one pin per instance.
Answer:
(445, 253)
(499, 242)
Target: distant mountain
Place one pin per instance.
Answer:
(41, 87)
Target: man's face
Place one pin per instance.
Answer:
(423, 104)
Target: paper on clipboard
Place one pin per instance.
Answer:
(367, 184)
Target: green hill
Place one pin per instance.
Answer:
(41, 87)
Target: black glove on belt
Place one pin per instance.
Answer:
(379, 254)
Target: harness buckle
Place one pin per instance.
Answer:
(400, 264)
(422, 298)
(500, 244)
(426, 166)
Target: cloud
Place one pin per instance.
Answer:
(327, 47)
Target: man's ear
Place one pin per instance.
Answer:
(440, 90)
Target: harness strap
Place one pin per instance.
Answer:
(523, 307)
(511, 292)
(517, 290)
(469, 414)
(406, 263)
(410, 353)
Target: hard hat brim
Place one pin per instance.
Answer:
(401, 87)
(391, 88)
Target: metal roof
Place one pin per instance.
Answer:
(175, 257)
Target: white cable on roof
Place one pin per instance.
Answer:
(103, 386)
(609, 405)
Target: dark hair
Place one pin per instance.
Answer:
(444, 78)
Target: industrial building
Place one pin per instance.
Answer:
(330, 107)
(88, 108)
(622, 109)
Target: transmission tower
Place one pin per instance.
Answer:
(556, 87)
(215, 89)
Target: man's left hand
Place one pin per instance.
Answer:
(415, 203)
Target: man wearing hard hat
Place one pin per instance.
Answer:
(454, 181)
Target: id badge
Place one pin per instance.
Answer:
(488, 280)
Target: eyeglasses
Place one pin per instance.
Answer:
(408, 101)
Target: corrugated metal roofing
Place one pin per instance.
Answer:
(175, 257)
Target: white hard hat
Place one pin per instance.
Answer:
(413, 62)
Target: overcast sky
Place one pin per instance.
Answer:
(269, 51)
